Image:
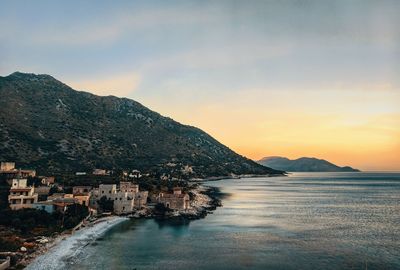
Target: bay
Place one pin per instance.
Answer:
(304, 221)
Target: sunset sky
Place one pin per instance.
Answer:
(282, 78)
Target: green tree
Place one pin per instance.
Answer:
(107, 205)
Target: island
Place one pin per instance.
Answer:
(304, 164)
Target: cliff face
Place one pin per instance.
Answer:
(49, 126)
(303, 164)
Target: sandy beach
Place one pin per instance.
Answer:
(66, 247)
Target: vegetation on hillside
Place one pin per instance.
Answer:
(44, 124)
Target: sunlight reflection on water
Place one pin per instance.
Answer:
(305, 221)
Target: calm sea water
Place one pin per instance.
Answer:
(305, 221)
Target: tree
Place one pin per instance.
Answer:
(107, 205)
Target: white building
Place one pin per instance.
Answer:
(126, 198)
(21, 196)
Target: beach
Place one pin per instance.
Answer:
(305, 221)
(61, 251)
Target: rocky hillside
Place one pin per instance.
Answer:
(303, 164)
(47, 125)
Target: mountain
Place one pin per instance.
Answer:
(303, 164)
(45, 124)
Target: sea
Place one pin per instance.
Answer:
(302, 221)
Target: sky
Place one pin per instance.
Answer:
(266, 78)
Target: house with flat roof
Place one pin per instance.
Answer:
(21, 195)
(126, 197)
(7, 166)
(176, 200)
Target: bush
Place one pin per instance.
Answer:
(26, 220)
(161, 209)
(107, 205)
(75, 213)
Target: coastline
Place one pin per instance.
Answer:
(48, 255)
(218, 178)
(205, 200)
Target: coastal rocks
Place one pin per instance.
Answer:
(203, 201)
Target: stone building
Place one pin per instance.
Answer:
(141, 199)
(81, 190)
(123, 202)
(21, 195)
(107, 190)
(128, 187)
(126, 197)
(176, 200)
(82, 194)
(7, 166)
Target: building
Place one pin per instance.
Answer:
(126, 197)
(100, 172)
(7, 166)
(13, 174)
(55, 196)
(48, 180)
(43, 192)
(21, 196)
(107, 190)
(135, 174)
(176, 200)
(61, 204)
(81, 190)
(128, 187)
(82, 194)
(47, 206)
(141, 199)
(83, 199)
(104, 190)
(123, 202)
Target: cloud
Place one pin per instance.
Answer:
(120, 85)
(112, 27)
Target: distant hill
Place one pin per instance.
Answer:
(303, 164)
(45, 124)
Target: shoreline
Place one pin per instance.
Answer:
(205, 200)
(60, 245)
(233, 177)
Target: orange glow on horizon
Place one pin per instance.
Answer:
(346, 129)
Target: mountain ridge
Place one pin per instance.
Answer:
(48, 125)
(303, 164)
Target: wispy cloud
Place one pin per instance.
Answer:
(120, 85)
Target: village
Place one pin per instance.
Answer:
(126, 197)
(76, 206)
